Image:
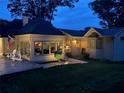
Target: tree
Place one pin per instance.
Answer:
(43, 9)
(111, 12)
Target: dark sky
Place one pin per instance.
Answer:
(70, 18)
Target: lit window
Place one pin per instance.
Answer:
(45, 47)
(38, 48)
(53, 47)
(92, 43)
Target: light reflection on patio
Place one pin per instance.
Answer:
(8, 66)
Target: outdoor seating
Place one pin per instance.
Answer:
(16, 55)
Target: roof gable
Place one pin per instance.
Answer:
(105, 32)
(90, 31)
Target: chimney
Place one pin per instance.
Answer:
(25, 20)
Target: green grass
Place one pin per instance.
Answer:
(94, 77)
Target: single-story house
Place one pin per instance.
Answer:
(38, 40)
(105, 44)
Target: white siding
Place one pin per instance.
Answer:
(108, 48)
(94, 52)
(119, 48)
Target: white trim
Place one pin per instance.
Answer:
(91, 30)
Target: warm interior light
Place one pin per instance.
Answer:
(1, 46)
(67, 47)
(74, 41)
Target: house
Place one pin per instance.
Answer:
(105, 44)
(38, 40)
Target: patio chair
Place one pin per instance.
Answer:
(16, 56)
(8, 55)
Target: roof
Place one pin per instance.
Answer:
(39, 27)
(76, 33)
(109, 32)
(10, 28)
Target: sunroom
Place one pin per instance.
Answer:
(39, 40)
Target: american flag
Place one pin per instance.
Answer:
(10, 41)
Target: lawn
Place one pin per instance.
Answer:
(94, 77)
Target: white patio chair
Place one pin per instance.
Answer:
(16, 56)
(19, 57)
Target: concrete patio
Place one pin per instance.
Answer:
(9, 67)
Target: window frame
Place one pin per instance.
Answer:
(50, 42)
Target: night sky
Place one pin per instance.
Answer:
(69, 18)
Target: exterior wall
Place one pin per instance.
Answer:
(74, 45)
(46, 57)
(94, 52)
(108, 45)
(106, 52)
(118, 48)
(84, 42)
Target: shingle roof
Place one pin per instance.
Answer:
(39, 27)
(76, 33)
(109, 32)
(10, 28)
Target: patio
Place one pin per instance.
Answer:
(9, 67)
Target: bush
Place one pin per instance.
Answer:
(86, 56)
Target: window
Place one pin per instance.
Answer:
(53, 47)
(37, 48)
(92, 43)
(48, 47)
(60, 47)
(45, 47)
(95, 43)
